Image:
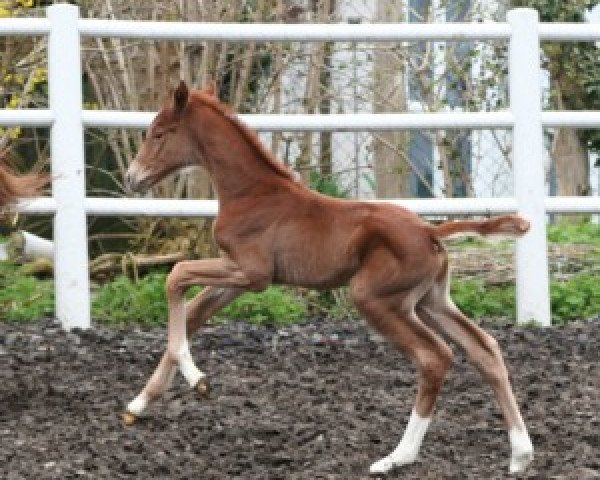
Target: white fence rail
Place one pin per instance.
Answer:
(67, 120)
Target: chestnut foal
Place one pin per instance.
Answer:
(272, 229)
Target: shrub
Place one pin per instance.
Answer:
(123, 301)
(477, 300)
(578, 297)
(327, 185)
(274, 306)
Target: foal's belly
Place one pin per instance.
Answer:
(317, 245)
(314, 267)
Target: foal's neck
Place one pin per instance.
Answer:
(238, 164)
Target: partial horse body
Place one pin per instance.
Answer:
(13, 186)
(272, 229)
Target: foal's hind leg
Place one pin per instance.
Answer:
(397, 321)
(483, 351)
(198, 311)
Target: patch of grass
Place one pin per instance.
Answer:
(24, 297)
(123, 301)
(576, 298)
(274, 306)
(579, 297)
(478, 300)
(581, 233)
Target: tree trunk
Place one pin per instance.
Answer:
(392, 173)
(572, 163)
(570, 155)
(571, 159)
(325, 92)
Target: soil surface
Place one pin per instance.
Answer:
(317, 401)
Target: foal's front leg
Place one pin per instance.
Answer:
(198, 311)
(220, 272)
(225, 282)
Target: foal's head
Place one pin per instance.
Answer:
(169, 144)
(184, 134)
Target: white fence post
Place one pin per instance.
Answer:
(533, 298)
(71, 276)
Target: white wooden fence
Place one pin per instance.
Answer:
(67, 120)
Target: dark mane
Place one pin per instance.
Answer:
(250, 135)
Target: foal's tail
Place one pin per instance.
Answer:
(13, 186)
(512, 225)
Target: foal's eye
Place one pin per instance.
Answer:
(157, 134)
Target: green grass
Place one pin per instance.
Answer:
(580, 233)
(576, 298)
(274, 306)
(579, 297)
(23, 297)
(478, 300)
(123, 301)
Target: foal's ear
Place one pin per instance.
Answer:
(181, 97)
(211, 88)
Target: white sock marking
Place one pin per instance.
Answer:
(407, 450)
(521, 449)
(188, 368)
(138, 404)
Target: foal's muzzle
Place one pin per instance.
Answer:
(136, 182)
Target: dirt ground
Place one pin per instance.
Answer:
(317, 401)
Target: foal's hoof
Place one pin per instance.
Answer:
(202, 387)
(519, 463)
(128, 418)
(386, 464)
